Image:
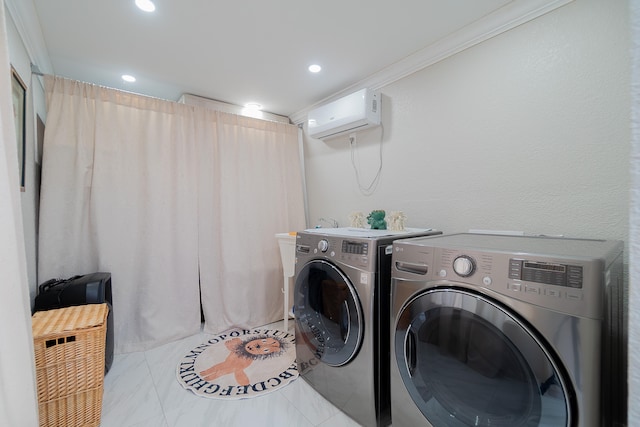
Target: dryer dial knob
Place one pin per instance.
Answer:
(323, 245)
(464, 266)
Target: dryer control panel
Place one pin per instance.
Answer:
(562, 274)
(546, 273)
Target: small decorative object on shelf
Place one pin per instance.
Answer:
(396, 220)
(357, 220)
(376, 220)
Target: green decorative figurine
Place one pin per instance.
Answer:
(376, 220)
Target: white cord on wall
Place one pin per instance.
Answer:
(371, 188)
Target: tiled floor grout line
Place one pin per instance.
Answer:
(155, 389)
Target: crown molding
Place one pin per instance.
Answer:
(507, 17)
(24, 16)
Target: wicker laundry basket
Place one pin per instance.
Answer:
(69, 345)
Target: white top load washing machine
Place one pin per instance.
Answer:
(341, 303)
(507, 331)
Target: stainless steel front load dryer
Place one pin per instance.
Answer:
(507, 331)
(342, 290)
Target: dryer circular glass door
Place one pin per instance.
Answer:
(328, 313)
(466, 361)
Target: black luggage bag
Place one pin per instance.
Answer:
(94, 288)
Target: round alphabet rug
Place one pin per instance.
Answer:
(240, 364)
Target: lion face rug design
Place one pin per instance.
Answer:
(240, 364)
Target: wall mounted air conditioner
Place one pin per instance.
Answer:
(360, 110)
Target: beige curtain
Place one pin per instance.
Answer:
(119, 194)
(18, 401)
(150, 191)
(251, 189)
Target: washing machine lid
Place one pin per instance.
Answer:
(328, 313)
(466, 361)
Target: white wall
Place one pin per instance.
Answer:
(21, 60)
(634, 267)
(526, 131)
(18, 396)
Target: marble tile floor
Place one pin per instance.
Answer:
(141, 390)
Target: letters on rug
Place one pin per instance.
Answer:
(240, 364)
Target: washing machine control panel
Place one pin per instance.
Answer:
(354, 247)
(538, 280)
(546, 273)
(533, 271)
(353, 252)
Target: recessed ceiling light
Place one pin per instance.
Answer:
(128, 78)
(315, 68)
(146, 5)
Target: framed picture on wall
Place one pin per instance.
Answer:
(19, 99)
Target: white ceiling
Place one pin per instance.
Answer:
(241, 51)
